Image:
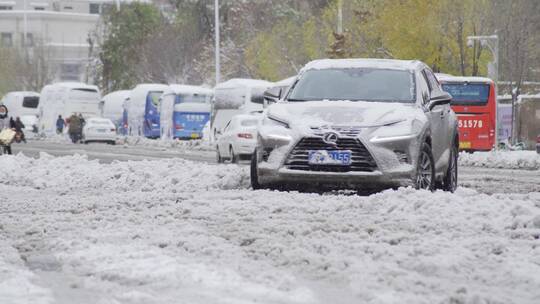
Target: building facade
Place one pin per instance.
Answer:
(60, 29)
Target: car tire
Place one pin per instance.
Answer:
(425, 169)
(234, 157)
(253, 173)
(219, 159)
(450, 180)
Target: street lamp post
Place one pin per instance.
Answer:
(216, 14)
(492, 42)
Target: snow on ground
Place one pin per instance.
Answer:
(174, 231)
(529, 160)
(195, 144)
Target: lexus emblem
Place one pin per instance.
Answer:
(330, 138)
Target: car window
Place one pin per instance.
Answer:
(249, 123)
(432, 80)
(227, 126)
(424, 87)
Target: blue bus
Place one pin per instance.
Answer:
(142, 110)
(151, 115)
(185, 110)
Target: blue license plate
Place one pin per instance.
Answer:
(329, 157)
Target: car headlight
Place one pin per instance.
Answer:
(273, 121)
(397, 130)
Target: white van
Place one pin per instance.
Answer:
(184, 111)
(142, 109)
(112, 106)
(66, 98)
(21, 103)
(236, 96)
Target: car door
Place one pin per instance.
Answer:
(447, 117)
(439, 123)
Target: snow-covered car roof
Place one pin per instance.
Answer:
(187, 89)
(22, 93)
(241, 82)
(98, 119)
(451, 78)
(74, 85)
(242, 117)
(351, 63)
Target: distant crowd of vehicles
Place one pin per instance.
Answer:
(193, 112)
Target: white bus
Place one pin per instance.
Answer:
(112, 106)
(66, 98)
(236, 96)
(21, 103)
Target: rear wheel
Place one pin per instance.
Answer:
(219, 159)
(425, 171)
(450, 180)
(234, 157)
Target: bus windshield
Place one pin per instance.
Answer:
(191, 98)
(30, 102)
(467, 93)
(154, 98)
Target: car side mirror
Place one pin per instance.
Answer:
(439, 99)
(272, 95)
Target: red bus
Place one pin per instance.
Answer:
(473, 101)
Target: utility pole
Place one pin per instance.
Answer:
(118, 5)
(218, 67)
(492, 42)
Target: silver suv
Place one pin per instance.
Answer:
(358, 123)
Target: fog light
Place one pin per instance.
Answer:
(402, 156)
(266, 153)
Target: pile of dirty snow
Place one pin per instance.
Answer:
(171, 231)
(192, 145)
(529, 160)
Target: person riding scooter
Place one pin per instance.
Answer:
(19, 127)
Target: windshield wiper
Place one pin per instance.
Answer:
(296, 99)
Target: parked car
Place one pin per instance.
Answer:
(359, 123)
(98, 129)
(238, 139)
(538, 144)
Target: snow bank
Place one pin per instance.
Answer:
(77, 172)
(16, 282)
(529, 160)
(191, 145)
(172, 231)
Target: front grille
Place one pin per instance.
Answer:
(347, 131)
(361, 159)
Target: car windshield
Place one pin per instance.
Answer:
(366, 84)
(467, 93)
(249, 123)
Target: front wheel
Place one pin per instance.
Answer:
(425, 170)
(450, 180)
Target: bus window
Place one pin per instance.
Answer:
(468, 93)
(191, 98)
(31, 102)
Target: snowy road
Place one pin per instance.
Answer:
(485, 180)
(108, 153)
(176, 231)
